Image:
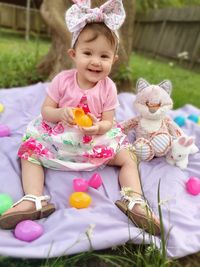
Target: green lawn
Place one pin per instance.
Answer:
(185, 82)
(18, 60)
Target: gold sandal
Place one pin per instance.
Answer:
(144, 221)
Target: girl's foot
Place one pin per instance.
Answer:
(23, 206)
(29, 207)
(140, 214)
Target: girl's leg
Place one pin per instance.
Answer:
(32, 182)
(129, 177)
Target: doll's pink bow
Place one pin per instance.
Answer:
(112, 13)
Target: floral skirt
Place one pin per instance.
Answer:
(65, 148)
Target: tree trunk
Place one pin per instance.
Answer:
(53, 13)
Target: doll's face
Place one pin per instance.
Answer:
(153, 102)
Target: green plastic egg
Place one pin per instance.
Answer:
(6, 202)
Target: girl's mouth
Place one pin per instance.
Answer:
(95, 71)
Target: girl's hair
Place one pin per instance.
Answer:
(97, 29)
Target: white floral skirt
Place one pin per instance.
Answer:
(65, 148)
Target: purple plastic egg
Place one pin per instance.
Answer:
(80, 185)
(4, 130)
(28, 230)
(193, 185)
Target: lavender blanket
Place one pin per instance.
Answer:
(65, 230)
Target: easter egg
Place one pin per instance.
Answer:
(95, 181)
(193, 118)
(79, 200)
(180, 120)
(1, 108)
(28, 230)
(193, 185)
(80, 185)
(81, 119)
(84, 121)
(4, 130)
(6, 203)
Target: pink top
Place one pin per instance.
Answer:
(65, 91)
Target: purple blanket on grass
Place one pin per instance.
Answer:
(65, 230)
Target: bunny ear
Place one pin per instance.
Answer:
(141, 84)
(182, 140)
(166, 85)
(190, 141)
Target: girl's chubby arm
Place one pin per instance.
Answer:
(51, 113)
(100, 127)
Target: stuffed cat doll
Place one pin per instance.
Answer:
(154, 130)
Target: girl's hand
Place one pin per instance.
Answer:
(94, 129)
(67, 116)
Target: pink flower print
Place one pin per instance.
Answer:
(102, 151)
(46, 128)
(58, 129)
(33, 147)
(86, 108)
(87, 139)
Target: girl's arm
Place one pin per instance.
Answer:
(50, 112)
(106, 122)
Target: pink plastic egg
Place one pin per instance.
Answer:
(28, 230)
(95, 181)
(4, 130)
(193, 185)
(80, 185)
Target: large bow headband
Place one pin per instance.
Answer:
(112, 13)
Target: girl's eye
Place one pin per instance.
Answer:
(105, 56)
(179, 156)
(87, 53)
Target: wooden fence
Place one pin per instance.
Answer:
(14, 17)
(172, 33)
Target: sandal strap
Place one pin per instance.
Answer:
(133, 201)
(37, 200)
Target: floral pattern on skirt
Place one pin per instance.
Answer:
(66, 148)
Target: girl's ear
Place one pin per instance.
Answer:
(71, 53)
(116, 57)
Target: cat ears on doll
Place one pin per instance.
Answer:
(142, 84)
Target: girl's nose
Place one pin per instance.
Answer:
(96, 62)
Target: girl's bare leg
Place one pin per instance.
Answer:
(129, 177)
(32, 182)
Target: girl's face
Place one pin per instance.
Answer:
(93, 59)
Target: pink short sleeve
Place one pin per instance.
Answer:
(111, 99)
(53, 89)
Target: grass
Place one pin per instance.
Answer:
(18, 60)
(185, 82)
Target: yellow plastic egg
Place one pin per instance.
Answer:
(81, 119)
(199, 120)
(84, 121)
(80, 200)
(1, 107)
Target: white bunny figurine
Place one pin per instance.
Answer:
(180, 150)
